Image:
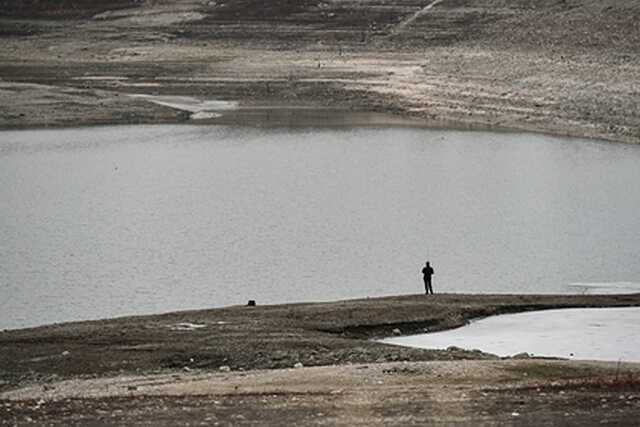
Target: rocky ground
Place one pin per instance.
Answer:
(290, 363)
(469, 393)
(561, 66)
(567, 67)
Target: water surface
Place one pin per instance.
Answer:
(99, 222)
(587, 334)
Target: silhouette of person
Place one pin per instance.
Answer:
(427, 272)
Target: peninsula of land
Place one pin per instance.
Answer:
(265, 364)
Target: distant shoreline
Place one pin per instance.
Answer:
(497, 66)
(328, 118)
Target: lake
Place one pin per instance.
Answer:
(107, 221)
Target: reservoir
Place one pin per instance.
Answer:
(108, 221)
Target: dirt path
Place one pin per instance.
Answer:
(405, 23)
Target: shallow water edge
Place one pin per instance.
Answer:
(282, 116)
(261, 337)
(607, 334)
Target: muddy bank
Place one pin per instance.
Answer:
(207, 366)
(277, 336)
(564, 67)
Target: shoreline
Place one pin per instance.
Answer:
(538, 302)
(354, 119)
(263, 337)
(318, 355)
(462, 65)
(567, 69)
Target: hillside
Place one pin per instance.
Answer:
(560, 66)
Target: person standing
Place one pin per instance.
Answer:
(427, 272)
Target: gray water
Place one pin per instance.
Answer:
(100, 222)
(571, 333)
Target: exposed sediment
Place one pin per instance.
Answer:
(276, 336)
(206, 366)
(561, 66)
(568, 67)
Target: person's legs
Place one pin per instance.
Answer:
(430, 290)
(426, 286)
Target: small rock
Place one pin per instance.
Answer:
(251, 303)
(515, 414)
(298, 365)
(65, 353)
(396, 331)
(224, 368)
(132, 388)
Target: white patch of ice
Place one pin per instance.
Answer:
(587, 334)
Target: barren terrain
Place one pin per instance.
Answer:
(568, 67)
(305, 363)
(561, 66)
